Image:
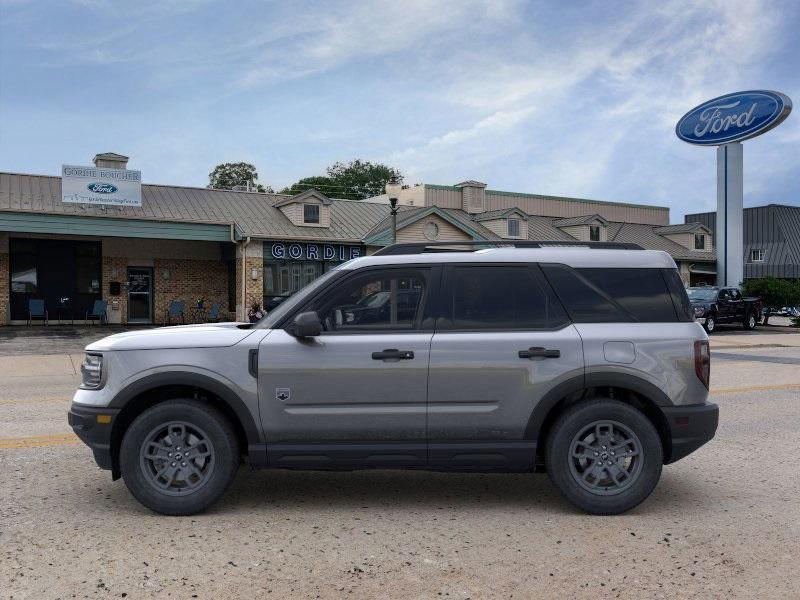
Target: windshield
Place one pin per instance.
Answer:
(702, 294)
(292, 302)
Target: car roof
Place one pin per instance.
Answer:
(578, 257)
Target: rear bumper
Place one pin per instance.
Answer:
(95, 434)
(690, 427)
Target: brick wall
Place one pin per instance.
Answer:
(4, 288)
(115, 269)
(254, 288)
(189, 280)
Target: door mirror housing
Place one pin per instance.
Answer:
(306, 324)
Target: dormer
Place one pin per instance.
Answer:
(509, 223)
(473, 196)
(309, 209)
(693, 236)
(588, 228)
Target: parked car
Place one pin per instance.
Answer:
(584, 362)
(713, 306)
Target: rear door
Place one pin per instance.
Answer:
(502, 342)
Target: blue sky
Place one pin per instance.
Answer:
(565, 98)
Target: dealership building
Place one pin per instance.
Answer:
(235, 248)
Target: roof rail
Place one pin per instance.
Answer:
(458, 246)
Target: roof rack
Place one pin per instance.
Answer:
(457, 246)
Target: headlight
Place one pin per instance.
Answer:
(92, 372)
(699, 311)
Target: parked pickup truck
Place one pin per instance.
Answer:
(716, 305)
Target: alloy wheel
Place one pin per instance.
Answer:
(605, 457)
(177, 458)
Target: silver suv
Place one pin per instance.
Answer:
(583, 361)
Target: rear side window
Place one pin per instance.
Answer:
(613, 295)
(501, 297)
(680, 299)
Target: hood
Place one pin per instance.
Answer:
(211, 335)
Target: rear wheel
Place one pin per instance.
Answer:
(604, 456)
(750, 321)
(179, 457)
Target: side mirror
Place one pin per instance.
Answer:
(305, 325)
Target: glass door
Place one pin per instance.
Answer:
(140, 295)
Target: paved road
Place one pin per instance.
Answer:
(723, 522)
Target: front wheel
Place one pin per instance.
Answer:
(711, 324)
(604, 456)
(179, 457)
(750, 321)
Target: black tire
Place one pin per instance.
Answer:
(597, 497)
(711, 324)
(212, 474)
(750, 321)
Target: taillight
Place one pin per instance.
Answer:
(702, 361)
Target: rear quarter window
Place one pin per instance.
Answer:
(607, 295)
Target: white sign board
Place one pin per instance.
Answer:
(94, 185)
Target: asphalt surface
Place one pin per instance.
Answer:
(724, 522)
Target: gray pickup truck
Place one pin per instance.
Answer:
(585, 362)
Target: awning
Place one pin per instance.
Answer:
(703, 269)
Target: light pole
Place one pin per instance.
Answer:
(393, 188)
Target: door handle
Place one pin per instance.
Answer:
(539, 352)
(393, 354)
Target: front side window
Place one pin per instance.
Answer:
(513, 228)
(311, 213)
(501, 297)
(385, 300)
(699, 241)
(594, 233)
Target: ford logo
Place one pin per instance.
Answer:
(733, 117)
(101, 188)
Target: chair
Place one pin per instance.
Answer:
(177, 308)
(213, 313)
(36, 310)
(98, 312)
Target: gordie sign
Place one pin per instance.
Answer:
(733, 117)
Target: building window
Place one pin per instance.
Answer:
(513, 228)
(699, 241)
(431, 230)
(23, 266)
(757, 255)
(311, 213)
(594, 233)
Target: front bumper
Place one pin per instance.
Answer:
(690, 427)
(701, 320)
(93, 425)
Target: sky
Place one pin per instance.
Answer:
(565, 98)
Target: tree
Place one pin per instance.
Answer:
(228, 175)
(317, 182)
(355, 180)
(774, 292)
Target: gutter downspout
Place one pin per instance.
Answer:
(244, 280)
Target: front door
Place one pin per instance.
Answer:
(355, 395)
(140, 295)
(502, 342)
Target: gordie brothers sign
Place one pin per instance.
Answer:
(306, 251)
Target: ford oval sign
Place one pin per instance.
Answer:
(733, 117)
(101, 188)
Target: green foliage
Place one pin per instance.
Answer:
(355, 180)
(774, 292)
(228, 175)
(318, 182)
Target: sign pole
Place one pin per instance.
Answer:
(730, 202)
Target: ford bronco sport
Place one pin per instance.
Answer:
(584, 361)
